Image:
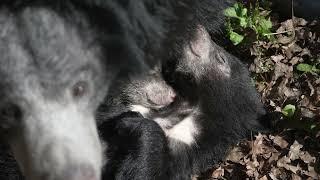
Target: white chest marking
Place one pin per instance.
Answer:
(163, 123)
(185, 131)
(140, 109)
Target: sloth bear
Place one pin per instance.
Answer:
(52, 80)
(59, 59)
(200, 123)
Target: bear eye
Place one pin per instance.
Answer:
(79, 89)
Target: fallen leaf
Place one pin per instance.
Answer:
(279, 141)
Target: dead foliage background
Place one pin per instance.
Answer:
(293, 150)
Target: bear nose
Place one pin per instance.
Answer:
(80, 172)
(173, 97)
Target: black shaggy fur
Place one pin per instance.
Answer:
(212, 86)
(128, 36)
(137, 148)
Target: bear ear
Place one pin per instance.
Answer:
(201, 44)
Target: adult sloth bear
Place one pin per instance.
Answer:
(60, 58)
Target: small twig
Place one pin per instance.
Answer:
(293, 25)
(291, 39)
(276, 33)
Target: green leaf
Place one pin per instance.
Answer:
(237, 6)
(315, 69)
(264, 26)
(289, 110)
(243, 22)
(230, 12)
(304, 67)
(244, 12)
(236, 38)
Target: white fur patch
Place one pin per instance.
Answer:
(50, 142)
(163, 123)
(185, 131)
(140, 109)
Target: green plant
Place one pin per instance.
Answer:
(307, 68)
(289, 110)
(240, 19)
